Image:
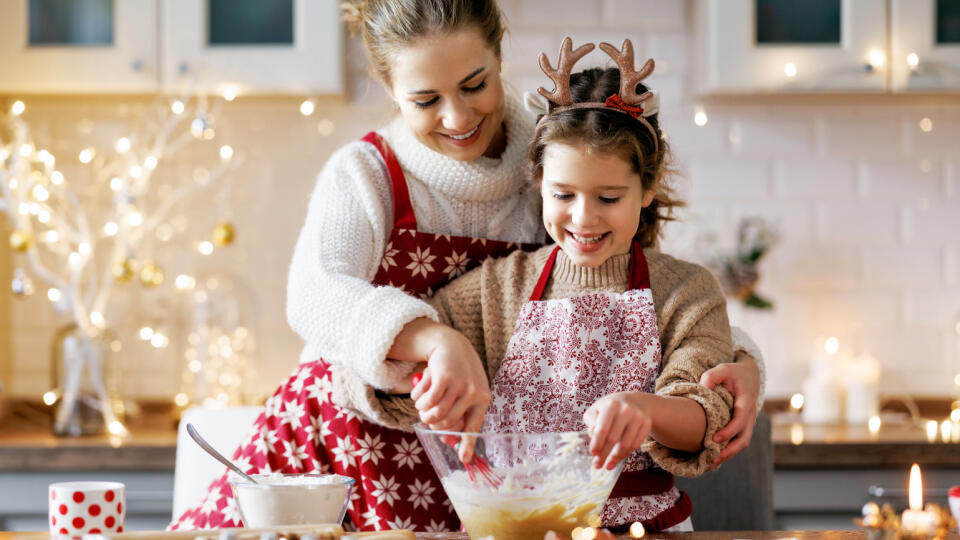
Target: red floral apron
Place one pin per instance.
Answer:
(302, 430)
(564, 355)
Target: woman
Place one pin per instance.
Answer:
(394, 217)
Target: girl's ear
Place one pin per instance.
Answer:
(650, 194)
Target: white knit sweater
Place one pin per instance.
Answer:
(331, 302)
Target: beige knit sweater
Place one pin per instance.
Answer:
(484, 303)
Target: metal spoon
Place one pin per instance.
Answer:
(192, 431)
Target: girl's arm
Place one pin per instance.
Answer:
(620, 422)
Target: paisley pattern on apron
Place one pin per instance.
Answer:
(564, 355)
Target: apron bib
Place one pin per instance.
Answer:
(564, 355)
(302, 430)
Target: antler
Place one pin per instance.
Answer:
(561, 75)
(629, 79)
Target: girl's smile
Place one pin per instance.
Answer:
(591, 202)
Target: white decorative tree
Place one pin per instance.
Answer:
(84, 235)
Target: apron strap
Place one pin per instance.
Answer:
(403, 216)
(544, 276)
(639, 273)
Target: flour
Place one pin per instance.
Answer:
(292, 499)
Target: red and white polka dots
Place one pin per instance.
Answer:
(78, 508)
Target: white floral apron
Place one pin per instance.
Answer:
(564, 355)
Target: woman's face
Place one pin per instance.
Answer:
(591, 202)
(449, 91)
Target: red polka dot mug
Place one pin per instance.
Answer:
(78, 508)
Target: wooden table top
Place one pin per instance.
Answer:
(699, 535)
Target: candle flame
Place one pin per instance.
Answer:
(916, 488)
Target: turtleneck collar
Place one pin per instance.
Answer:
(483, 179)
(615, 271)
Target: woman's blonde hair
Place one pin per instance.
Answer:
(388, 25)
(612, 132)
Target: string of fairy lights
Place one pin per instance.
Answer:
(86, 233)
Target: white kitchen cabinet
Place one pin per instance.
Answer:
(146, 46)
(872, 46)
(774, 45)
(88, 46)
(302, 55)
(930, 31)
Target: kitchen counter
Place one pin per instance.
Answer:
(26, 444)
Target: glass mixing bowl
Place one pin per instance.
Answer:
(546, 481)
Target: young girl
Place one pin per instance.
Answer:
(615, 335)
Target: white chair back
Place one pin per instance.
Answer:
(224, 429)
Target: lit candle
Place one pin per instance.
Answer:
(915, 520)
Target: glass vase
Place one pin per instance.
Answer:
(84, 379)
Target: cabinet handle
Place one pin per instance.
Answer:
(136, 65)
(183, 68)
(880, 491)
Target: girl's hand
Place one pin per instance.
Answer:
(742, 378)
(618, 424)
(453, 393)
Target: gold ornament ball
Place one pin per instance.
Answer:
(223, 234)
(151, 275)
(122, 270)
(20, 240)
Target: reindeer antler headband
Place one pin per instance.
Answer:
(625, 101)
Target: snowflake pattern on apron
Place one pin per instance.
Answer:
(302, 430)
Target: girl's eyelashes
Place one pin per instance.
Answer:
(559, 195)
(467, 89)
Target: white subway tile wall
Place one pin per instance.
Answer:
(866, 200)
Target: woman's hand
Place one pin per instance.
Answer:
(618, 425)
(453, 393)
(742, 378)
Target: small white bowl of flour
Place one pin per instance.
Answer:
(292, 499)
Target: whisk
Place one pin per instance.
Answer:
(476, 465)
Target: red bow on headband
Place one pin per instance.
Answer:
(615, 102)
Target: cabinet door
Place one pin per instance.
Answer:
(925, 44)
(786, 45)
(281, 46)
(79, 46)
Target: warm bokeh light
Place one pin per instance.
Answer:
(700, 118)
(177, 107)
(926, 125)
(17, 108)
(916, 488)
(796, 401)
(123, 145)
(49, 398)
(796, 434)
(874, 424)
(876, 58)
(790, 69)
(306, 108)
(932, 428)
(226, 152)
(831, 346)
(913, 60)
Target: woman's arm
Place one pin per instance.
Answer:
(744, 378)
(331, 302)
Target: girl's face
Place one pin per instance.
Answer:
(449, 91)
(591, 202)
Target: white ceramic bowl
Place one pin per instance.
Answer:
(292, 499)
(954, 499)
